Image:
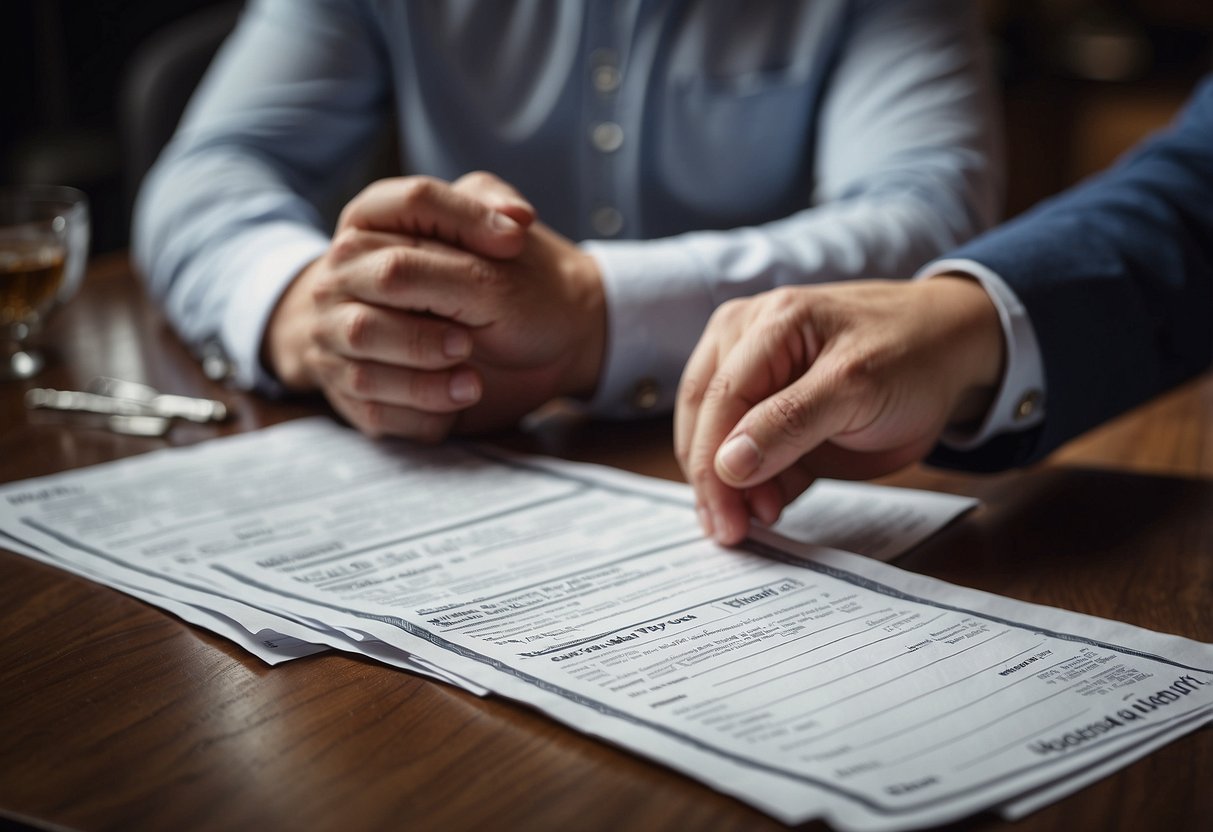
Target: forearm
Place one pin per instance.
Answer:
(218, 241)
(661, 293)
(228, 215)
(906, 167)
(1117, 278)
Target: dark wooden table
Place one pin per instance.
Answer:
(115, 715)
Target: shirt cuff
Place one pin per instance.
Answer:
(269, 260)
(1020, 402)
(657, 306)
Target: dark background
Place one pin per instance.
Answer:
(63, 65)
(1082, 80)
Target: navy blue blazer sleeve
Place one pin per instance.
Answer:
(1116, 275)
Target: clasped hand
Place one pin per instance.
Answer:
(440, 307)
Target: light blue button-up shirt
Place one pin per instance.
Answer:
(699, 151)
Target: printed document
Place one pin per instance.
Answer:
(806, 681)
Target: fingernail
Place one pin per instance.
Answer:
(464, 387)
(768, 513)
(726, 535)
(739, 457)
(705, 520)
(456, 343)
(763, 507)
(503, 223)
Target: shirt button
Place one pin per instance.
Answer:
(645, 394)
(607, 136)
(1027, 405)
(607, 221)
(215, 364)
(606, 79)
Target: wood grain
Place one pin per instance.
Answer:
(115, 715)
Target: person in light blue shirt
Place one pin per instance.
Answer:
(643, 163)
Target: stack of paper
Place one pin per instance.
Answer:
(806, 681)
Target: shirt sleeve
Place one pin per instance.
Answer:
(1020, 401)
(1116, 275)
(907, 166)
(227, 217)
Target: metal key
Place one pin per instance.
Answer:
(166, 405)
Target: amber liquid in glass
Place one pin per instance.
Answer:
(30, 276)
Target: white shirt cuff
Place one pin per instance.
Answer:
(270, 260)
(657, 306)
(1020, 402)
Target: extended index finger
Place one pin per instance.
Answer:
(711, 400)
(700, 368)
(764, 359)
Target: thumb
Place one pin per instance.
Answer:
(782, 428)
(428, 208)
(498, 195)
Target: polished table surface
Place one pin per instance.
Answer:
(115, 715)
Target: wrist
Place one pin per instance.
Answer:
(284, 343)
(588, 300)
(976, 338)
